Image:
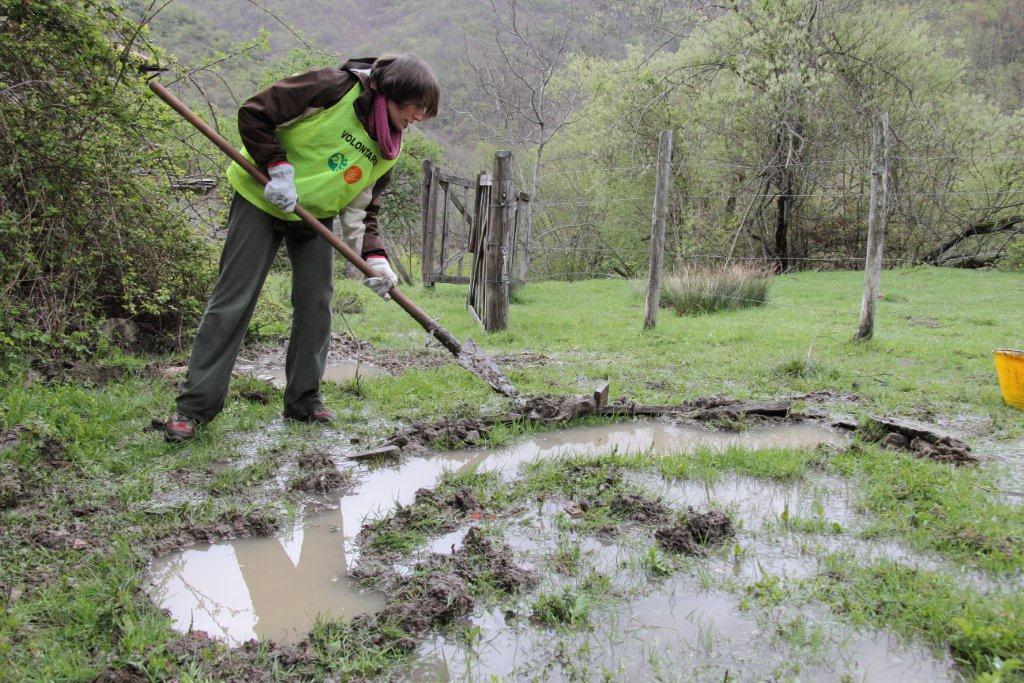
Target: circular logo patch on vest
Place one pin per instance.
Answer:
(337, 161)
(353, 174)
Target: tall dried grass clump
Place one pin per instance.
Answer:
(705, 289)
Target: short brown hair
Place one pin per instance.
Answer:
(407, 79)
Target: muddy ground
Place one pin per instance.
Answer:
(440, 589)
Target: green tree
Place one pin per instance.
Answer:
(88, 230)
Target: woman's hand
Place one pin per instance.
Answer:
(280, 191)
(386, 278)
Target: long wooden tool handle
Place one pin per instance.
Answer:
(428, 323)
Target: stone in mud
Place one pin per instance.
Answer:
(696, 532)
(10, 485)
(638, 508)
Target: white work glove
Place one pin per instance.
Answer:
(280, 191)
(386, 278)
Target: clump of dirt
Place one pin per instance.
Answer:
(554, 409)
(982, 543)
(521, 360)
(74, 535)
(696, 532)
(64, 370)
(433, 510)
(461, 499)
(918, 439)
(441, 434)
(255, 396)
(232, 524)
(944, 449)
(592, 478)
(639, 508)
(53, 452)
(423, 602)
(10, 485)
(481, 556)
(127, 674)
(318, 474)
(10, 438)
(247, 662)
(558, 409)
(437, 591)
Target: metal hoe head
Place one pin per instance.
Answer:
(483, 366)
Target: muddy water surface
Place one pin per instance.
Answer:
(272, 587)
(334, 372)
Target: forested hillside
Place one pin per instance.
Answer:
(772, 104)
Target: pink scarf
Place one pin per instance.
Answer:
(387, 136)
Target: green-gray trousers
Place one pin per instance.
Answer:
(252, 242)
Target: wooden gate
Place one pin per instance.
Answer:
(457, 232)
(449, 210)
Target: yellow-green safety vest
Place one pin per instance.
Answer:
(334, 159)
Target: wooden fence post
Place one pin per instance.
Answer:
(658, 218)
(427, 194)
(502, 207)
(877, 214)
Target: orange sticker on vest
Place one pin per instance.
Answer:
(353, 174)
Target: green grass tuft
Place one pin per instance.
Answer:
(701, 289)
(983, 632)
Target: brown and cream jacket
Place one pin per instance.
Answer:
(301, 96)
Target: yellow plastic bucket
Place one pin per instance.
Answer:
(1010, 370)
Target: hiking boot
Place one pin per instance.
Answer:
(179, 428)
(320, 414)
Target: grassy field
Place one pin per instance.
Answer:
(79, 476)
(931, 356)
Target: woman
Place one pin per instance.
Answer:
(327, 139)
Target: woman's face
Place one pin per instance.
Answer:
(404, 114)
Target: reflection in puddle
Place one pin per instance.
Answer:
(263, 588)
(272, 587)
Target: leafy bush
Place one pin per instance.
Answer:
(87, 231)
(702, 289)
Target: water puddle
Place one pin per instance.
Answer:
(680, 628)
(338, 373)
(262, 588)
(272, 587)
(657, 437)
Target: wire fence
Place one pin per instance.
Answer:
(578, 196)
